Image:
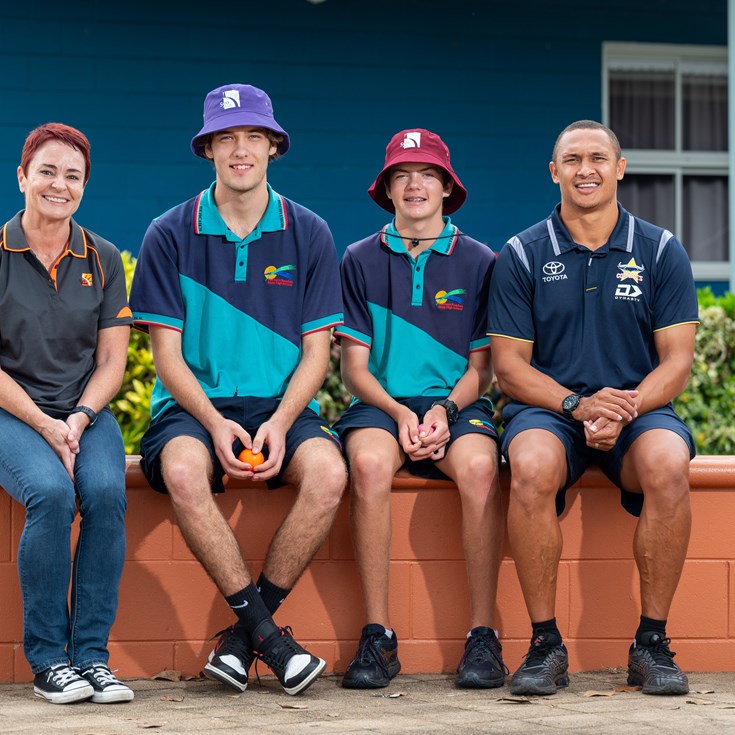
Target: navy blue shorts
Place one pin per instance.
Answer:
(580, 456)
(250, 413)
(477, 418)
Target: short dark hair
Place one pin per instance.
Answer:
(588, 125)
(59, 132)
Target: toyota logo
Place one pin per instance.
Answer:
(552, 268)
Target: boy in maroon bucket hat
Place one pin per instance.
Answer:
(416, 357)
(239, 288)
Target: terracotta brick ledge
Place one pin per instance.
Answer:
(169, 608)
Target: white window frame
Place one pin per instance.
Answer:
(677, 163)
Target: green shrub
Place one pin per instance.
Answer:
(707, 405)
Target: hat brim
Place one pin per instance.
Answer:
(379, 195)
(232, 120)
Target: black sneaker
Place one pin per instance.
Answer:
(481, 666)
(61, 685)
(544, 670)
(294, 666)
(651, 666)
(376, 661)
(231, 658)
(107, 687)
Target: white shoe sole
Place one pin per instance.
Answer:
(75, 695)
(211, 672)
(121, 695)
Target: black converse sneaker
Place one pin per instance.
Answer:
(231, 658)
(61, 685)
(107, 687)
(651, 666)
(482, 664)
(295, 667)
(544, 670)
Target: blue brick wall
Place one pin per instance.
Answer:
(497, 80)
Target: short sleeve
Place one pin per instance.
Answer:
(675, 296)
(114, 310)
(358, 325)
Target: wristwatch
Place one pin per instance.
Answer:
(570, 404)
(87, 411)
(450, 407)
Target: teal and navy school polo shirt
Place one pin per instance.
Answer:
(591, 315)
(242, 306)
(49, 320)
(420, 317)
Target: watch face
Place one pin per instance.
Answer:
(570, 403)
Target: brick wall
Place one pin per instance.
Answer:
(169, 608)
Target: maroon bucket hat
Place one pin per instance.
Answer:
(418, 146)
(233, 105)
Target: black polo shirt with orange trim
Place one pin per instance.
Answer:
(49, 320)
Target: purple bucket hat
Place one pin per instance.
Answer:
(233, 105)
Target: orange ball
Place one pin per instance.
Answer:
(252, 459)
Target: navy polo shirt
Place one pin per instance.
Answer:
(242, 305)
(49, 320)
(591, 315)
(420, 317)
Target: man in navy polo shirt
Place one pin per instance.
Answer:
(239, 289)
(592, 318)
(416, 357)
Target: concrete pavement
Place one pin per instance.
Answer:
(412, 704)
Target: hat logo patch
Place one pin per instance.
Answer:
(230, 99)
(411, 140)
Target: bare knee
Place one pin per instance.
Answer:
(536, 476)
(187, 482)
(371, 474)
(477, 478)
(325, 484)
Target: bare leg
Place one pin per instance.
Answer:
(472, 463)
(374, 457)
(187, 472)
(318, 471)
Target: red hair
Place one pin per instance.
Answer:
(61, 133)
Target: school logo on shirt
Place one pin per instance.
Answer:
(86, 279)
(451, 300)
(633, 272)
(333, 435)
(483, 424)
(282, 276)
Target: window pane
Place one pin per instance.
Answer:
(650, 197)
(642, 108)
(705, 217)
(704, 112)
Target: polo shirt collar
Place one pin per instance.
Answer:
(14, 239)
(620, 238)
(444, 243)
(208, 220)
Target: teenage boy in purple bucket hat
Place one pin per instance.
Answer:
(239, 289)
(416, 357)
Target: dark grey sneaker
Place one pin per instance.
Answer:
(231, 658)
(376, 661)
(61, 684)
(482, 664)
(108, 689)
(294, 666)
(651, 666)
(544, 669)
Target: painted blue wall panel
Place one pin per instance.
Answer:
(497, 80)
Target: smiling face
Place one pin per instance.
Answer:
(240, 156)
(417, 191)
(53, 181)
(587, 168)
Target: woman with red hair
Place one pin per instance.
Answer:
(64, 328)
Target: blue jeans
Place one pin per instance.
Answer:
(31, 473)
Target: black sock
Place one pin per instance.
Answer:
(249, 607)
(649, 625)
(271, 594)
(546, 629)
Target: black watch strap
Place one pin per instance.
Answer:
(87, 411)
(450, 407)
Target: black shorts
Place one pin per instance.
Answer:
(477, 418)
(250, 413)
(580, 456)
